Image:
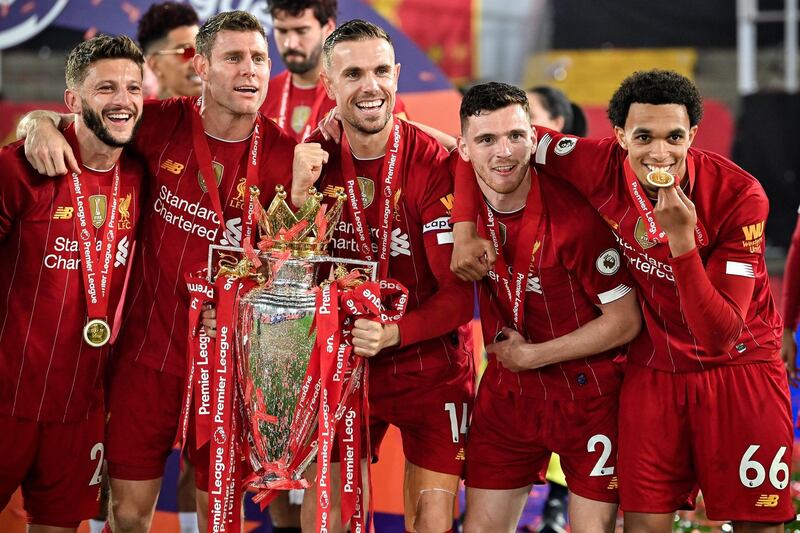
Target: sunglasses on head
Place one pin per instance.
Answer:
(186, 53)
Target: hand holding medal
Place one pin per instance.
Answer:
(675, 214)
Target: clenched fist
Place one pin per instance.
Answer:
(306, 169)
(370, 337)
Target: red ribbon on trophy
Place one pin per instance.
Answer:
(337, 377)
(212, 366)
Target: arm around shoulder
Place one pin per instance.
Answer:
(45, 146)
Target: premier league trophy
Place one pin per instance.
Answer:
(281, 397)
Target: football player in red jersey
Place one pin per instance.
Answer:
(399, 185)
(558, 304)
(66, 245)
(705, 402)
(297, 100)
(180, 222)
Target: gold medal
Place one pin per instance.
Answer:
(96, 332)
(660, 178)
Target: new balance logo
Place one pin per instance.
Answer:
(613, 484)
(122, 252)
(171, 166)
(400, 244)
(63, 212)
(447, 201)
(753, 231)
(768, 500)
(460, 456)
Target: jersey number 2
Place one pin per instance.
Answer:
(97, 455)
(600, 468)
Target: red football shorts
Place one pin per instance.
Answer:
(726, 430)
(430, 408)
(512, 437)
(144, 408)
(58, 465)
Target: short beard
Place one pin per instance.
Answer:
(370, 128)
(309, 64)
(94, 122)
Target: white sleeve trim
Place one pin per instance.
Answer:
(614, 294)
(541, 149)
(735, 268)
(445, 238)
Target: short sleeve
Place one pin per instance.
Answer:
(15, 190)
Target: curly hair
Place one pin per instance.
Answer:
(657, 87)
(491, 96)
(240, 21)
(162, 18)
(324, 10)
(96, 49)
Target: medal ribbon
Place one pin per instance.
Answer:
(645, 207)
(96, 291)
(224, 490)
(328, 334)
(392, 167)
(204, 162)
(283, 110)
(514, 282)
(198, 364)
(338, 395)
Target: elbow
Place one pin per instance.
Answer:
(630, 327)
(722, 342)
(719, 348)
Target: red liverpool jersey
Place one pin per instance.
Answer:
(575, 267)
(731, 210)
(297, 106)
(179, 223)
(47, 372)
(420, 247)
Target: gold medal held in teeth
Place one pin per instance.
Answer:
(96, 332)
(660, 178)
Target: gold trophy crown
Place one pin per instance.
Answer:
(302, 233)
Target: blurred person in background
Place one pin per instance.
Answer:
(296, 98)
(551, 108)
(791, 304)
(167, 33)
